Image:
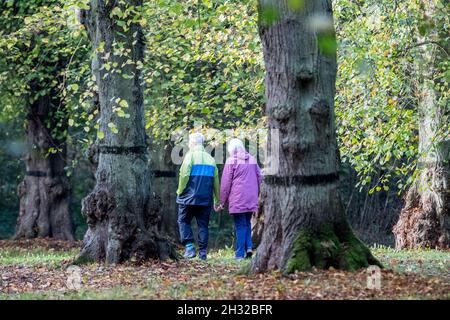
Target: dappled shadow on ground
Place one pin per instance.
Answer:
(215, 279)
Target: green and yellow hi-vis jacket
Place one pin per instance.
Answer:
(199, 179)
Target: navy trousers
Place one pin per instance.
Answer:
(243, 228)
(201, 214)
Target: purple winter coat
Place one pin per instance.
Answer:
(241, 180)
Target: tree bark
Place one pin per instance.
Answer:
(165, 183)
(258, 219)
(45, 191)
(304, 223)
(121, 223)
(425, 219)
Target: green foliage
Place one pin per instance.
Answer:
(203, 65)
(377, 97)
(43, 52)
(268, 15)
(296, 4)
(41, 45)
(377, 123)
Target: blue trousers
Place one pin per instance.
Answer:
(243, 228)
(201, 214)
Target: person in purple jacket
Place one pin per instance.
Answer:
(241, 180)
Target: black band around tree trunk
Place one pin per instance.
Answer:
(122, 150)
(302, 179)
(36, 173)
(164, 174)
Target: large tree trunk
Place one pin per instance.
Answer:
(425, 220)
(122, 225)
(45, 191)
(304, 222)
(165, 183)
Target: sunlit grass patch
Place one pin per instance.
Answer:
(223, 256)
(117, 293)
(424, 261)
(10, 256)
(171, 291)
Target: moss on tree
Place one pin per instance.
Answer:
(326, 248)
(300, 259)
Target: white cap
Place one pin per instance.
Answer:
(235, 144)
(196, 139)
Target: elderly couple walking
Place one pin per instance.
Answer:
(199, 190)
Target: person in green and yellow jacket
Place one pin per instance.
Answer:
(198, 191)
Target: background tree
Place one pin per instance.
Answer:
(118, 210)
(34, 55)
(165, 183)
(425, 220)
(304, 223)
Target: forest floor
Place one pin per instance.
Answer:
(39, 269)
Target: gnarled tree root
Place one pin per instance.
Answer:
(141, 247)
(121, 233)
(421, 223)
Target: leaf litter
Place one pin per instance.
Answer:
(217, 278)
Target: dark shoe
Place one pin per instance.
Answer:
(249, 254)
(189, 253)
(202, 254)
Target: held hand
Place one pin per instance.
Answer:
(218, 208)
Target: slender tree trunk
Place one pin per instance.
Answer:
(165, 183)
(258, 219)
(425, 219)
(304, 222)
(45, 191)
(121, 223)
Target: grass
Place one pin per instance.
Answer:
(52, 257)
(180, 291)
(423, 261)
(117, 293)
(224, 258)
(19, 256)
